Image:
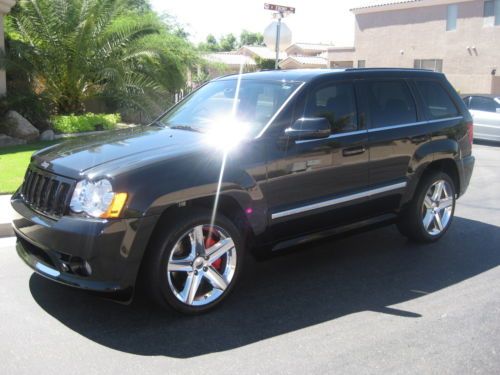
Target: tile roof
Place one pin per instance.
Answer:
(382, 4)
(229, 58)
(312, 46)
(262, 51)
(306, 60)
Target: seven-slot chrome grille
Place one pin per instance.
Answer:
(47, 193)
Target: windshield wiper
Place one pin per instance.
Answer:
(157, 123)
(185, 127)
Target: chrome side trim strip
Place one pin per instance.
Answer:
(333, 136)
(335, 201)
(414, 124)
(277, 113)
(339, 135)
(397, 126)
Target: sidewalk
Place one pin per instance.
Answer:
(5, 216)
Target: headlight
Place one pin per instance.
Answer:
(97, 199)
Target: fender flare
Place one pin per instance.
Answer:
(424, 156)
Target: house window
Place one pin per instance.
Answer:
(451, 18)
(430, 64)
(361, 63)
(492, 12)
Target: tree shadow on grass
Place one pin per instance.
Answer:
(318, 283)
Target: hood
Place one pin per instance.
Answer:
(74, 157)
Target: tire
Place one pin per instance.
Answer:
(172, 266)
(418, 221)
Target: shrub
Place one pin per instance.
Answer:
(85, 123)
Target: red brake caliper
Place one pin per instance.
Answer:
(210, 240)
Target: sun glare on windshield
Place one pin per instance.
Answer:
(227, 132)
(244, 103)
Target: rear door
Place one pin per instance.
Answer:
(310, 181)
(396, 129)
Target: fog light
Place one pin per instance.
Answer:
(80, 267)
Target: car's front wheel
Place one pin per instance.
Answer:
(429, 215)
(194, 265)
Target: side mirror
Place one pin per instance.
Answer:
(309, 128)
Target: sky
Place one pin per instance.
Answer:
(314, 21)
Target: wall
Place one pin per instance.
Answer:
(338, 56)
(396, 38)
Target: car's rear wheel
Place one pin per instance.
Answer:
(194, 265)
(429, 215)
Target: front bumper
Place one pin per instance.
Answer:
(92, 254)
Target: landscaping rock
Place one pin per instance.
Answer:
(20, 127)
(47, 135)
(5, 140)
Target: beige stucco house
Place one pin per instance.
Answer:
(297, 55)
(306, 55)
(307, 49)
(460, 38)
(5, 7)
(304, 62)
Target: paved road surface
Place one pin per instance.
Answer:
(371, 303)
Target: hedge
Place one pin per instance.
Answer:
(84, 123)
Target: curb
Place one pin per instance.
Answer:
(6, 230)
(5, 216)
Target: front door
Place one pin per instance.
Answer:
(311, 181)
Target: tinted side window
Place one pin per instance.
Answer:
(335, 102)
(483, 104)
(437, 102)
(390, 103)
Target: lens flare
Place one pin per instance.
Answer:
(234, 110)
(227, 132)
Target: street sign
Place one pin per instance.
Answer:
(270, 36)
(279, 8)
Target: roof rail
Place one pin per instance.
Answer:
(388, 68)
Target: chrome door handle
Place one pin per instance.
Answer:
(420, 138)
(353, 151)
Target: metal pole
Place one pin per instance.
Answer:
(278, 31)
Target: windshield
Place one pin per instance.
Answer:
(230, 103)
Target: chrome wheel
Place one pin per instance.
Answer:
(201, 265)
(437, 208)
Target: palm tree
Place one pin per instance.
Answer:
(75, 50)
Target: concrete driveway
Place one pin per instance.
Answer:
(370, 303)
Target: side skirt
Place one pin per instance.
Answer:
(383, 219)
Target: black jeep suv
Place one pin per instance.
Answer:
(262, 161)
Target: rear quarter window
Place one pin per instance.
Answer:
(436, 100)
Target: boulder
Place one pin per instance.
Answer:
(47, 135)
(19, 127)
(5, 140)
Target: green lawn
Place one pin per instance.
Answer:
(13, 163)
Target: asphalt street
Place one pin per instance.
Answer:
(372, 303)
